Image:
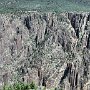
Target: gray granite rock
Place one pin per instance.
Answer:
(51, 49)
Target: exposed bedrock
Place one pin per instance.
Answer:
(53, 50)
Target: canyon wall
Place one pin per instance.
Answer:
(51, 49)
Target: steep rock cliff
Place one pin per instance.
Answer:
(53, 50)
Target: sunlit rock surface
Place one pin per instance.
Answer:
(53, 50)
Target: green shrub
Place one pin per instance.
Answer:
(32, 86)
(20, 86)
(58, 89)
(8, 87)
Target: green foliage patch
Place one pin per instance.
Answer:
(20, 86)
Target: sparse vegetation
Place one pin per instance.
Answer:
(23, 86)
(20, 86)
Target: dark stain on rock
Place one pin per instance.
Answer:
(88, 42)
(67, 70)
(27, 22)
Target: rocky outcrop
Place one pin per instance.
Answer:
(48, 48)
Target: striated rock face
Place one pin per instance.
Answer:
(53, 50)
